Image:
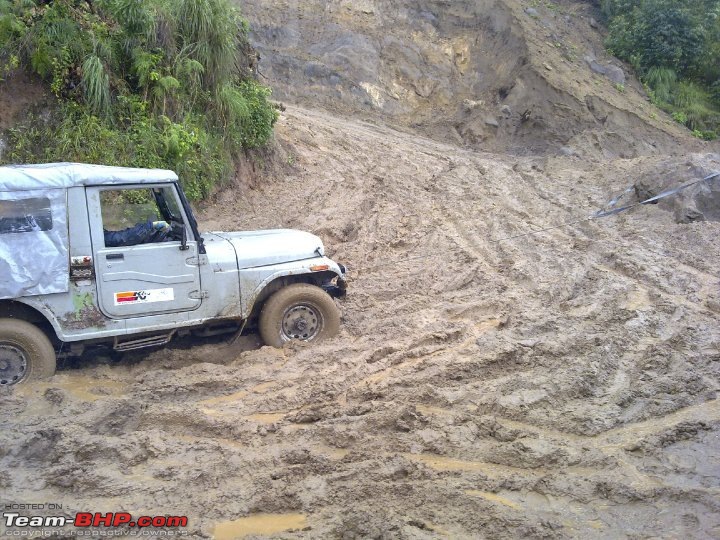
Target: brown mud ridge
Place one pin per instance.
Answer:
(558, 385)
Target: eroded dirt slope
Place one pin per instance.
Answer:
(560, 385)
(501, 75)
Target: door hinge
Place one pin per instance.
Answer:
(199, 295)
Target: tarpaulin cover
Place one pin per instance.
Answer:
(65, 175)
(34, 244)
(34, 256)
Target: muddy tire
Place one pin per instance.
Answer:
(298, 312)
(26, 353)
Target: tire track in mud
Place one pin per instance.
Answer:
(398, 375)
(540, 388)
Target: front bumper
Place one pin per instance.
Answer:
(337, 287)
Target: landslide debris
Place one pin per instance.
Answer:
(491, 378)
(557, 385)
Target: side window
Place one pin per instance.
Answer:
(25, 215)
(139, 216)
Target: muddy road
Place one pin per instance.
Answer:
(557, 385)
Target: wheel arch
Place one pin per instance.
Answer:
(277, 282)
(15, 309)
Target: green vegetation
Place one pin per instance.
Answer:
(675, 47)
(145, 83)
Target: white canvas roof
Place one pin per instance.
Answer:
(65, 175)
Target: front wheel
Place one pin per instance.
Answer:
(298, 312)
(25, 353)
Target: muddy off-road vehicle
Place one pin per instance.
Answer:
(93, 255)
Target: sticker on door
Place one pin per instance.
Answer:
(144, 297)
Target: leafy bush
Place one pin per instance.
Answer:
(675, 47)
(146, 83)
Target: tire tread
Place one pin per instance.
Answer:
(275, 306)
(42, 362)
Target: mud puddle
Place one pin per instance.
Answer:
(259, 525)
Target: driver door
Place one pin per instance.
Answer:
(145, 278)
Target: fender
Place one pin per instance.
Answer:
(254, 280)
(40, 310)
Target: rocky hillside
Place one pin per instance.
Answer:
(496, 75)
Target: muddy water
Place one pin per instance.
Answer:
(259, 525)
(80, 387)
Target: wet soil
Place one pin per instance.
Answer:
(556, 385)
(507, 367)
(17, 93)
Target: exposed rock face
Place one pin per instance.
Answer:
(417, 64)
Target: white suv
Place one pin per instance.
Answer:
(93, 254)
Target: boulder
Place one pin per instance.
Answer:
(701, 202)
(614, 73)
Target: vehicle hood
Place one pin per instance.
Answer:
(263, 248)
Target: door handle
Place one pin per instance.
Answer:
(114, 256)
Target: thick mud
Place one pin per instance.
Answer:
(484, 384)
(507, 367)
